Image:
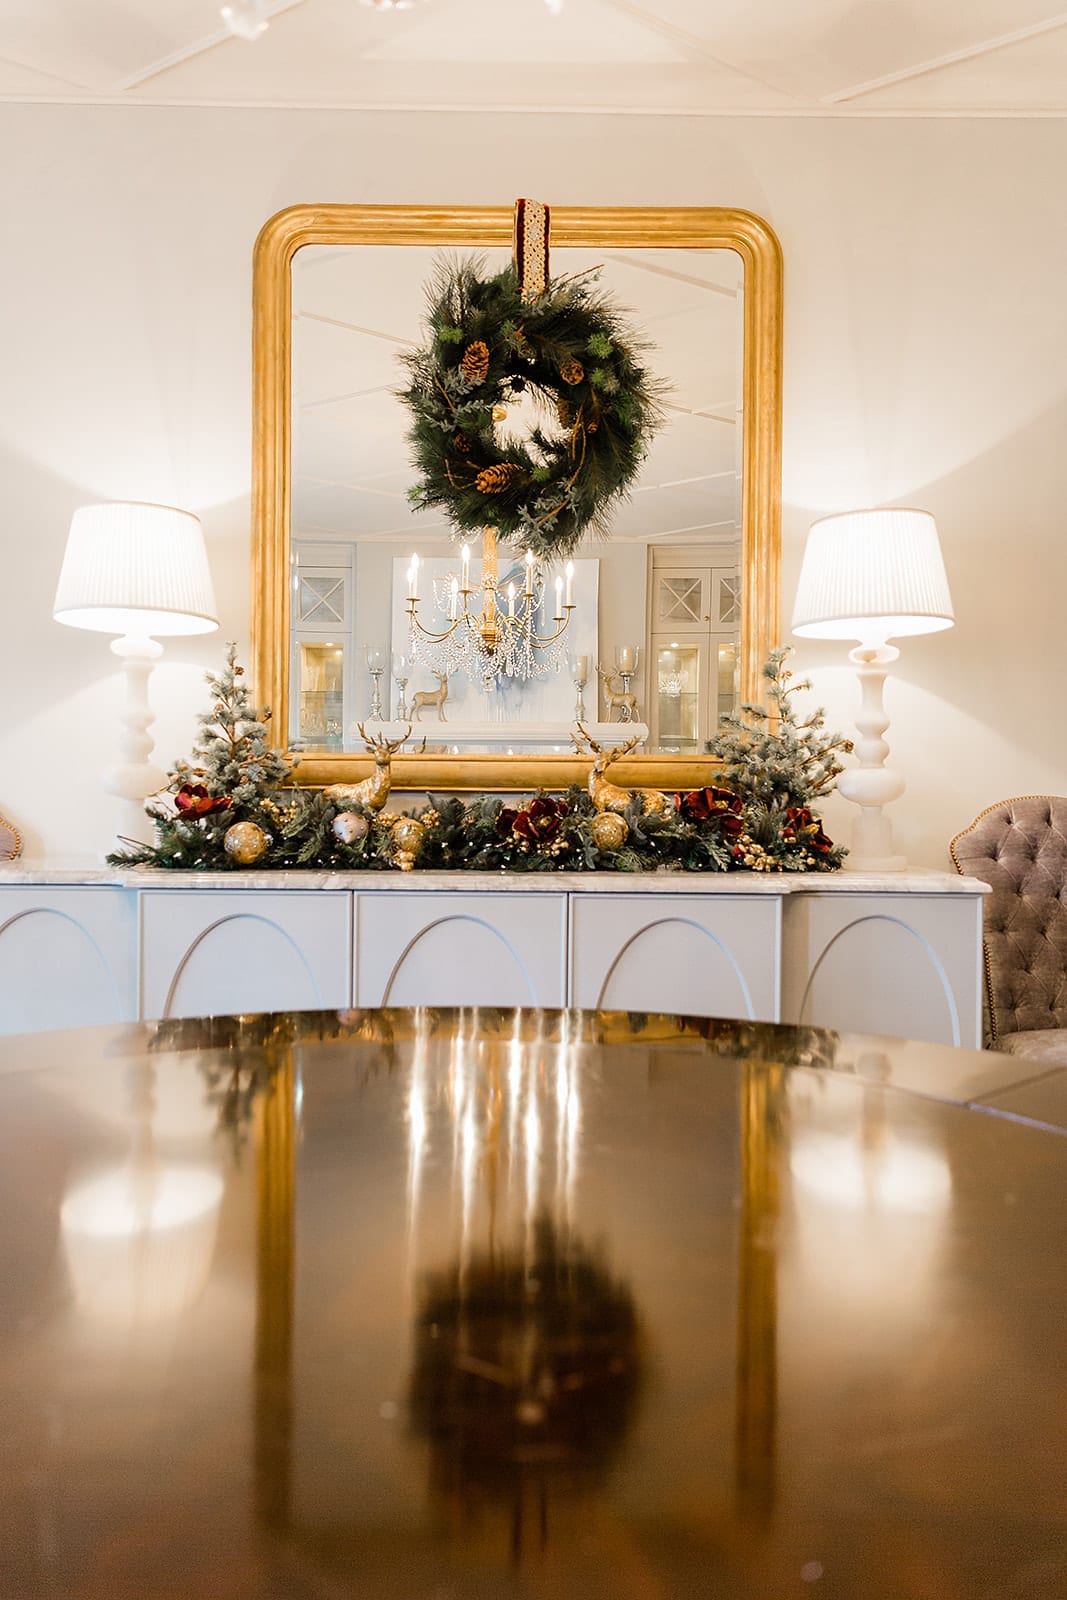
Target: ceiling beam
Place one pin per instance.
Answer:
(199, 47)
(689, 41)
(955, 57)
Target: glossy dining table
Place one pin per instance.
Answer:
(445, 1305)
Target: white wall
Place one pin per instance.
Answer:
(926, 265)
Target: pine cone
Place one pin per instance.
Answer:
(475, 363)
(572, 372)
(564, 413)
(462, 444)
(496, 479)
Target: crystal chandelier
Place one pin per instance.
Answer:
(491, 633)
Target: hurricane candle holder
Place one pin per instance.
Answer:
(579, 671)
(401, 673)
(376, 666)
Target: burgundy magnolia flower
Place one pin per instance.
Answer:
(720, 806)
(537, 824)
(801, 823)
(193, 800)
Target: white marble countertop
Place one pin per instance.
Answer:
(913, 880)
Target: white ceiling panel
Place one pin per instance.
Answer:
(590, 31)
(671, 56)
(1032, 72)
(19, 82)
(333, 80)
(822, 48)
(100, 44)
(340, 511)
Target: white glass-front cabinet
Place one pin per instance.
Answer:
(321, 668)
(694, 632)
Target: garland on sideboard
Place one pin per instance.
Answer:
(229, 808)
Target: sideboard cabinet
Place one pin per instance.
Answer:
(896, 954)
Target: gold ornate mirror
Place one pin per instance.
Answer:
(672, 617)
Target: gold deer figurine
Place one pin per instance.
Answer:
(373, 792)
(608, 796)
(620, 699)
(431, 697)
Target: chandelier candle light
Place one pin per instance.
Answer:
(872, 576)
(488, 634)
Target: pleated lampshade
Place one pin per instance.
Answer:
(132, 568)
(872, 575)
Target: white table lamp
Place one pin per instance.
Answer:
(135, 570)
(872, 576)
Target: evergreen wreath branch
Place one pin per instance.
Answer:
(571, 349)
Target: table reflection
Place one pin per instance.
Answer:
(139, 1234)
(530, 1303)
(524, 1340)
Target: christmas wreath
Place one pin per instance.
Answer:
(567, 347)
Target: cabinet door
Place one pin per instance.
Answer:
(681, 598)
(907, 965)
(67, 957)
(712, 955)
(210, 952)
(679, 680)
(694, 632)
(321, 659)
(440, 948)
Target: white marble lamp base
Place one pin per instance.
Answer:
(871, 785)
(134, 777)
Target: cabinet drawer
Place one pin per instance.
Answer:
(694, 955)
(907, 965)
(438, 948)
(213, 953)
(66, 958)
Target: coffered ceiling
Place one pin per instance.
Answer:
(825, 57)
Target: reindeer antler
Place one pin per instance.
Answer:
(594, 748)
(394, 745)
(610, 754)
(380, 744)
(624, 749)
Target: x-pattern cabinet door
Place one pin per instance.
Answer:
(695, 628)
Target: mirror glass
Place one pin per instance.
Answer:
(653, 639)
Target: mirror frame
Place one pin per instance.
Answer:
(482, 227)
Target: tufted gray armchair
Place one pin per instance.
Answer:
(1019, 847)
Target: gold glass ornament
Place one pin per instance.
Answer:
(350, 827)
(408, 835)
(245, 842)
(609, 830)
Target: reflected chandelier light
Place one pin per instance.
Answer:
(486, 633)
